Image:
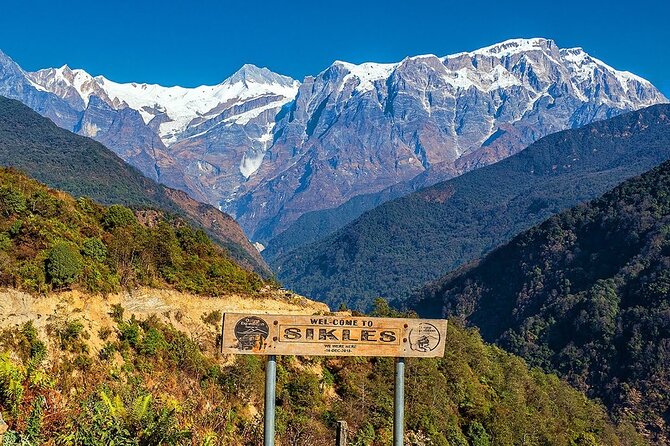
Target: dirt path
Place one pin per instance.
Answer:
(184, 311)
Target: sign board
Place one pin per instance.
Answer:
(267, 334)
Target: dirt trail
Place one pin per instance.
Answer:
(184, 311)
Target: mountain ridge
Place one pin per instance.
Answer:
(406, 242)
(431, 118)
(269, 155)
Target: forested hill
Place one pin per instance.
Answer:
(585, 294)
(50, 241)
(83, 167)
(143, 382)
(407, 242)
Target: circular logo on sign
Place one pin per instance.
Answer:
(425, 337)
(251, 333)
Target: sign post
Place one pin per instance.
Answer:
(272, 335)
(399, 403)
(341, 436)
(270, 400)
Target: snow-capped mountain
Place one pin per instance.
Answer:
(268, 149)
(177, 113)
(177, 108)
(356, 129)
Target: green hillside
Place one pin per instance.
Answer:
(83, 167)
(586, 294)
(315, 225)
(404, 243)
(151, 385)
(49, 240)
(72, 163)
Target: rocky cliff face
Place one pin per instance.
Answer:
(268, 149)
(216, 134)
(360, 128)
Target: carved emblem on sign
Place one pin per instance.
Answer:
(251, 333)
(424, 338)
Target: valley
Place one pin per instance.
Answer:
(408, 183)
(584, 295)
(404, 243)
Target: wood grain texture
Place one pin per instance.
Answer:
(267, 334)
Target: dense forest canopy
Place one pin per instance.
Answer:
(586, 294)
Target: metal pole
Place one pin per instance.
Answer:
(399, 403)
(341, 438)
(270, 387)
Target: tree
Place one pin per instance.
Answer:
(64, 264)
(118, 216)
(95, 249)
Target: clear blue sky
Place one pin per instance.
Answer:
(202, 42)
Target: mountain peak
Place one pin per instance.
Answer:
(259, 75)
(367, 72)
(514, 46)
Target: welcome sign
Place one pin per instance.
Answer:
(263, 334)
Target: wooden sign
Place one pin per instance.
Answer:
(263, 334)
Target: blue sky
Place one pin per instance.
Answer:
(203, 42)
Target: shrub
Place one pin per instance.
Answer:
(130, 332)
(15, 228)
(117, 313)
(478, 435)
(213, 318)
(82, 362)
(302, 392)
(104, 333)
(44, 204)
(11, 201)
(34, 423)
(86, 204)
(37, 348)
(153, 342)
(94, 248)
(11, 384)
(32, 275)
(118, 216)
(107, 351)
(98, 279)
(109, 419)
(64, 264)
(5, 241)
(71, 334)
